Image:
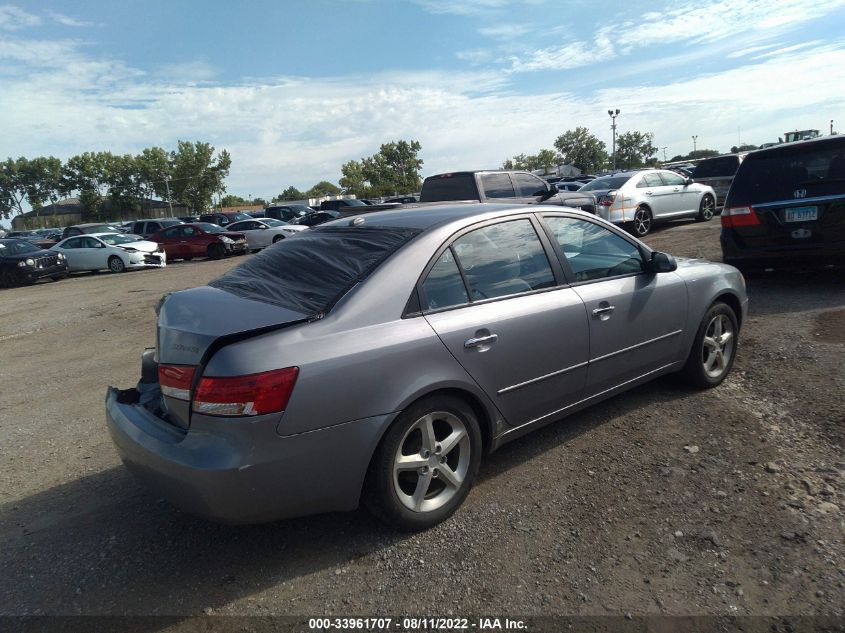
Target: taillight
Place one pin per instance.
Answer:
(175, 380)
(606, 200)
(255, 394)
(739, 216)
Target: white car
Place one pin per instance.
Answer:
(262, 232)
(113, 251)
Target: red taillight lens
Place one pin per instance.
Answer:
(176, 380)
(606, 200)
(739, 216)
(255, 394)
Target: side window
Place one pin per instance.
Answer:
(172, 232)
(673, 180)
(592, 251)
(74, 243)
(503, 259)
(528, 186)
(90, 242)
(497, 185)
(650, 180)
(444, 287)
(188, 231)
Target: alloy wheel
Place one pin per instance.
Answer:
(431, 463)
(717, 346)
(708, 207)
(642, 221)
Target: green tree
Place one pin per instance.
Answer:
(197, 174)
(42, 180)
(744, 147)
(12, 186)
(88, 175)
(582, 149)
(322, 188)
(153, 165)
(231, 200)
(353, 178)
(635, 149)
(394, 169)
(291, 193)
(546, 159)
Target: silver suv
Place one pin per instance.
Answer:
(638, 199)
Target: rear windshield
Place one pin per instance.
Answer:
(312, 270)
(452, 187)
(718, 166)
(611, 182)
(789, 173)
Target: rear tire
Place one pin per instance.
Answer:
(714, 348)
(642, 221)
(425, 464)
(215, 251)
(278, 238)
(116, 264)
(707, 209)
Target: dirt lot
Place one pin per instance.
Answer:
(661, 501)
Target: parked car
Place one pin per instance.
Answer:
(786, 206)
(224, 218)
(24, 263)
(189, 219)
(718, 172)
(444, 333)
(116, 252)
(87, 229)
(351, 205)
(200, 239)
(403, 200)
(34, 237)
(501, 186)
(639, 199)
(145, 228)
(263, 232)
(316, 217)
(284, 212)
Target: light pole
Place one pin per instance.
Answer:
(664, 153)
(167, 184)
(831, 127)
(613, 114)
(694, 139)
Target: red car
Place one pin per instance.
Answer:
(200, 239)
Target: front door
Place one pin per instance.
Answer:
(636, 317)
(494, 302)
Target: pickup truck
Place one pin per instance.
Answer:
(501, 186)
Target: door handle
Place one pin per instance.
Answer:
(676, 189)
(605, 310)
(648, 193)
(480, 341)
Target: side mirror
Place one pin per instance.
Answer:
(688, 181)
(662, 263)
(545, 195)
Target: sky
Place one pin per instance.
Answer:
(293, 89)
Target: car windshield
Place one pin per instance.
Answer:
(272, 222)
(310, 273)
(118, 238)
(237, 217)
(609, 182)
(16, 247)
(210, 228)
(99, 228)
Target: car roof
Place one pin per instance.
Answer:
(427, 216)
(87, 224)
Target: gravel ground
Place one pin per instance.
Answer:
(664, 500)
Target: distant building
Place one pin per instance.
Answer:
(70, 210)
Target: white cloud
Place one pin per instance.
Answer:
(13, 18)
(66, 20)
(573, 54)
(468, 7)
(505, 31)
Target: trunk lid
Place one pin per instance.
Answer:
(193, 323)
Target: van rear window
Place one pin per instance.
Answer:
(803, 170)
(310, 271)
(449, 187)
(720, 166)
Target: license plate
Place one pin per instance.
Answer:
(802, 214)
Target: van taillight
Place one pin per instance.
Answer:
(739, 216)
(175, 380)
(254, 394)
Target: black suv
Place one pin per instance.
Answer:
(145, 228)
(225, 218)
(284, 212)
(786, 206)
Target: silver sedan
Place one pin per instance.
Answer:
(379, 357)
(639, 199)
(263, 232)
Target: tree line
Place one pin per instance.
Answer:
(581, 148)
(189, 175)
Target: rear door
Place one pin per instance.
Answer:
(529, 188)
(636, 318)
(683, 198)
(170, 242)
(494, 299)
(72, 249)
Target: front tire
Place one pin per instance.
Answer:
(707, 209)
(278, 238)
(643, 221)
(116, 264)
(714, 349)
(215, 251)
(425, 465)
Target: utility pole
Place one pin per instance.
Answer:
(694, 139)
(831, 127)
(613, 114)
(167, 184)
(664, 153)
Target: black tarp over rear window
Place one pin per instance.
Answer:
(312, 270)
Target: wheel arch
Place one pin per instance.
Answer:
(733, 303)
